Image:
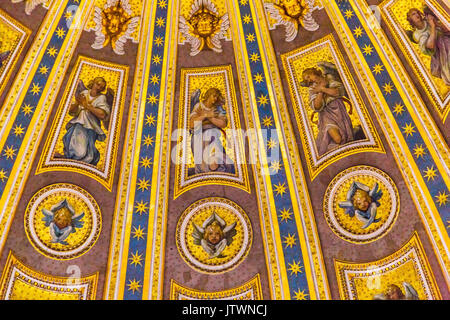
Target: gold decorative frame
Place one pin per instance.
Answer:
(104, 175)
(409, 263)
(441, 103)
(250, 290)
(315, 162)
(20, 282)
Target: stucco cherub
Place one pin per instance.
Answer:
(214, 235)
(363, 201)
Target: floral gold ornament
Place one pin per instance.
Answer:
(291, 14)
(30, 5)
(361, 204)
(204, 27)
(214, 235)
(62, 221)
(114, 25)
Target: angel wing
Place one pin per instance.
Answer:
(278, 13)
(207, 248)
(221, 32)
(376, 193)
(110, 101)
(229, 232)
(76, 221)
(3, 57)
(410, 292)
(187, 31)
(30, 5)
(131, 28)
(100, 38)
(48, 217)
(195, 98)
(80, 88)
(372, 216)
(197, 234)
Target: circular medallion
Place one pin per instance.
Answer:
(62, 221)
(214, 235)
(361, 204)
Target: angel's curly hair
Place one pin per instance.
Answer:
(409, 14)
(210, 91)
(91, 83)
(213, 226)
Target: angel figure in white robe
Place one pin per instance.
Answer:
(204, 27)
(114, 25)
(62, 221)
(90, 109)
(393, 292)
(291, 14)
(363, 202)
(214, 235)
(30, 5)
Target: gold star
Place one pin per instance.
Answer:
(43, 70)
(10, 152)
(27, 109)
(157, 59)
(442, 198)
(36, 89)
(408, 130)
(254, 57)
(134, 285)
(152, 99)
(267, 121)
(243, 2)
(247, 19)
(388, 88)
(289, 241)
(150, 120)
(378, 68)
(60, 33)
(141, 207)
(358, 32)
(159, 41)
(285, 215)
(3, 175)
(143, 184)
(280, 189)
(136, 259)
(52, 51)
(160, 22)
(138, 233)
(271, 144)
(162, 4)
(146, 162)
(251, 37)
(68, 15)
(368, 49)
(258, 78)
(419, 151)
(18, 130)
(148, 141)
(295, 268)
(399, 108)
(430, 173)
(348, 14)
(263, 100)
(300, 295)
(275, 166)
(155, 79)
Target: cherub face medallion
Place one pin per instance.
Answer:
(361, 204)
(214, 235)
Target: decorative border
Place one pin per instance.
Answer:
(30, 212)
(316, 163)
(250, 290)
(418, 147)
(441, 104)
(47, 163)
(328, 205)
(84, 288)
(183, 224)
(411, 251)
(184, 183)
(20, 45)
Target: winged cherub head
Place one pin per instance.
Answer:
(205, 22)
(115, 21)
(294, 8)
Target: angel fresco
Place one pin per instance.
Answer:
(363, 202)
(207, 122)
(204, 27)
(91, 108)
(329, 99)
(291, 14)
(393, 292)
(433, 38)
(214, 235)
